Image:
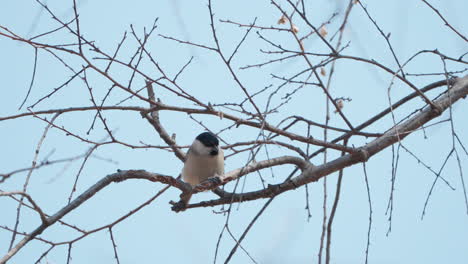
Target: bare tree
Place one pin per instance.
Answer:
(283, 99)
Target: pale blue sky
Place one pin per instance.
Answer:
(282, 234)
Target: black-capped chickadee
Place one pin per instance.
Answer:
(205, 159)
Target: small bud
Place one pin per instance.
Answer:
(323, 72)
(295, 29)
(301, 45)
(173, 137)
(340, 104)
(221, 115)
(282, 20)
(323, 31)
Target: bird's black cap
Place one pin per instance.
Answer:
(208, 139)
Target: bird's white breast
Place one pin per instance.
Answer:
(199, 168)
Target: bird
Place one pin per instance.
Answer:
(204, 160)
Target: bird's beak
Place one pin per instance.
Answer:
(214, 151)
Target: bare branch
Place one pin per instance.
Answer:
(314, 173)
(445, 21)
(35, 206)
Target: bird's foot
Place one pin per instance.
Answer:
(179, 206)
(208, 184)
